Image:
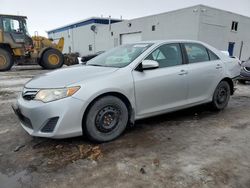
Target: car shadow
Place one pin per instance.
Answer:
(54, 154)
(197, 112)
(192, 113)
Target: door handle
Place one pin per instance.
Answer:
(218, 66)
(183, 72)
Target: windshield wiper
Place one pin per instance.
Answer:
(97, 65)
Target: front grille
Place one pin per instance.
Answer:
(50, 125)
(247, 69)
(29, 94)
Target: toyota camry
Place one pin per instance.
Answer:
(103, 96)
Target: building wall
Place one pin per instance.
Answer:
(180, 24)
(77, 39)
(200, 22)
(215, 29)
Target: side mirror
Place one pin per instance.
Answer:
(83, 59)
(149, 64)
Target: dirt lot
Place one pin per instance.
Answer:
(190, 148)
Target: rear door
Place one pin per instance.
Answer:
(205, 70)
(161, 89)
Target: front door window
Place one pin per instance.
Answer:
(167, 55)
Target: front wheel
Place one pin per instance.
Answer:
(221, 96)
(106, 119)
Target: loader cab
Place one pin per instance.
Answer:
(14, 31)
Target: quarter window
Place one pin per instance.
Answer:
(196, 53)
(167, 55)
(212, 56)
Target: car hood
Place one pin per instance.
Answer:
(67, 76)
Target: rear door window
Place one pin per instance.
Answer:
(196, 53)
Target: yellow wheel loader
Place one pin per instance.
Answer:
(16, 46)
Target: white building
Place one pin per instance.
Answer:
(80, 36)
(222, 29)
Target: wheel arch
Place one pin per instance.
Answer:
(119, 95)
(231, 84)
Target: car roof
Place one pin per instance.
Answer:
(169, 41)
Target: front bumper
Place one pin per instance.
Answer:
(57, 119)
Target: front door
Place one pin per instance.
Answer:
(164, 88)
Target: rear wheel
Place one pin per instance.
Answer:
(221, 96)
(6, 60)
(52, 59)
(106, 119)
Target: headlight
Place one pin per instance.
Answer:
(48, 95)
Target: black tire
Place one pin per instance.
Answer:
(52, 59)
(221, 96)
(6, 60)
(242, 81)
(106, 119)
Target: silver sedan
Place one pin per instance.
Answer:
(130, 82)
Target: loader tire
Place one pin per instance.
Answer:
(52, 59)
(6, 60)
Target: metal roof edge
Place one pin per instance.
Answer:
(87, 21)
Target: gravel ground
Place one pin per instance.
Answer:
(189, 148)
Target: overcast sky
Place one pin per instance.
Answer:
(45, 15)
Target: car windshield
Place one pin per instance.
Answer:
(120, 56)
